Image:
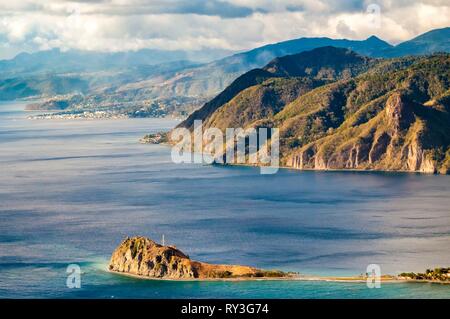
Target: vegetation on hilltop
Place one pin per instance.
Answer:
(437, 274)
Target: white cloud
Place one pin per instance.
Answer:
(117, 25)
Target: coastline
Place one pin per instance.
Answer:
(356, 279)
(313, 169)
(337, 169)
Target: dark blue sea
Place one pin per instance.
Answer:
(71, 190)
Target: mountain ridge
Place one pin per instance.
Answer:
(433, 41)
(175, 90)
(316, 64)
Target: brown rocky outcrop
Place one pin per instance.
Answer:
(399, 111)
(140, 256)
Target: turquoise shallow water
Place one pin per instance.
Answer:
(71, 190)
(96, 283)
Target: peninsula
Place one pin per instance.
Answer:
(142, 257)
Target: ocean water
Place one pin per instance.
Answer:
(70, 191)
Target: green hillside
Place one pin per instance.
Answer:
(322, 65)
(392, 116)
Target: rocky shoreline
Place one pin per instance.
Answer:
(142, 258)
(164, 139)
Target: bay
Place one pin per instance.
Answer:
(71, 190)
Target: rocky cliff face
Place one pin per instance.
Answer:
(393, 140)
(141, 256)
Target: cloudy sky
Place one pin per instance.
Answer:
(120, 25)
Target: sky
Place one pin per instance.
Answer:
(233, 25)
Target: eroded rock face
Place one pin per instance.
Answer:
(143, 257)
(393, 142)
(399, 111)
(379, 154)
(417, 159)
(379, 147)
